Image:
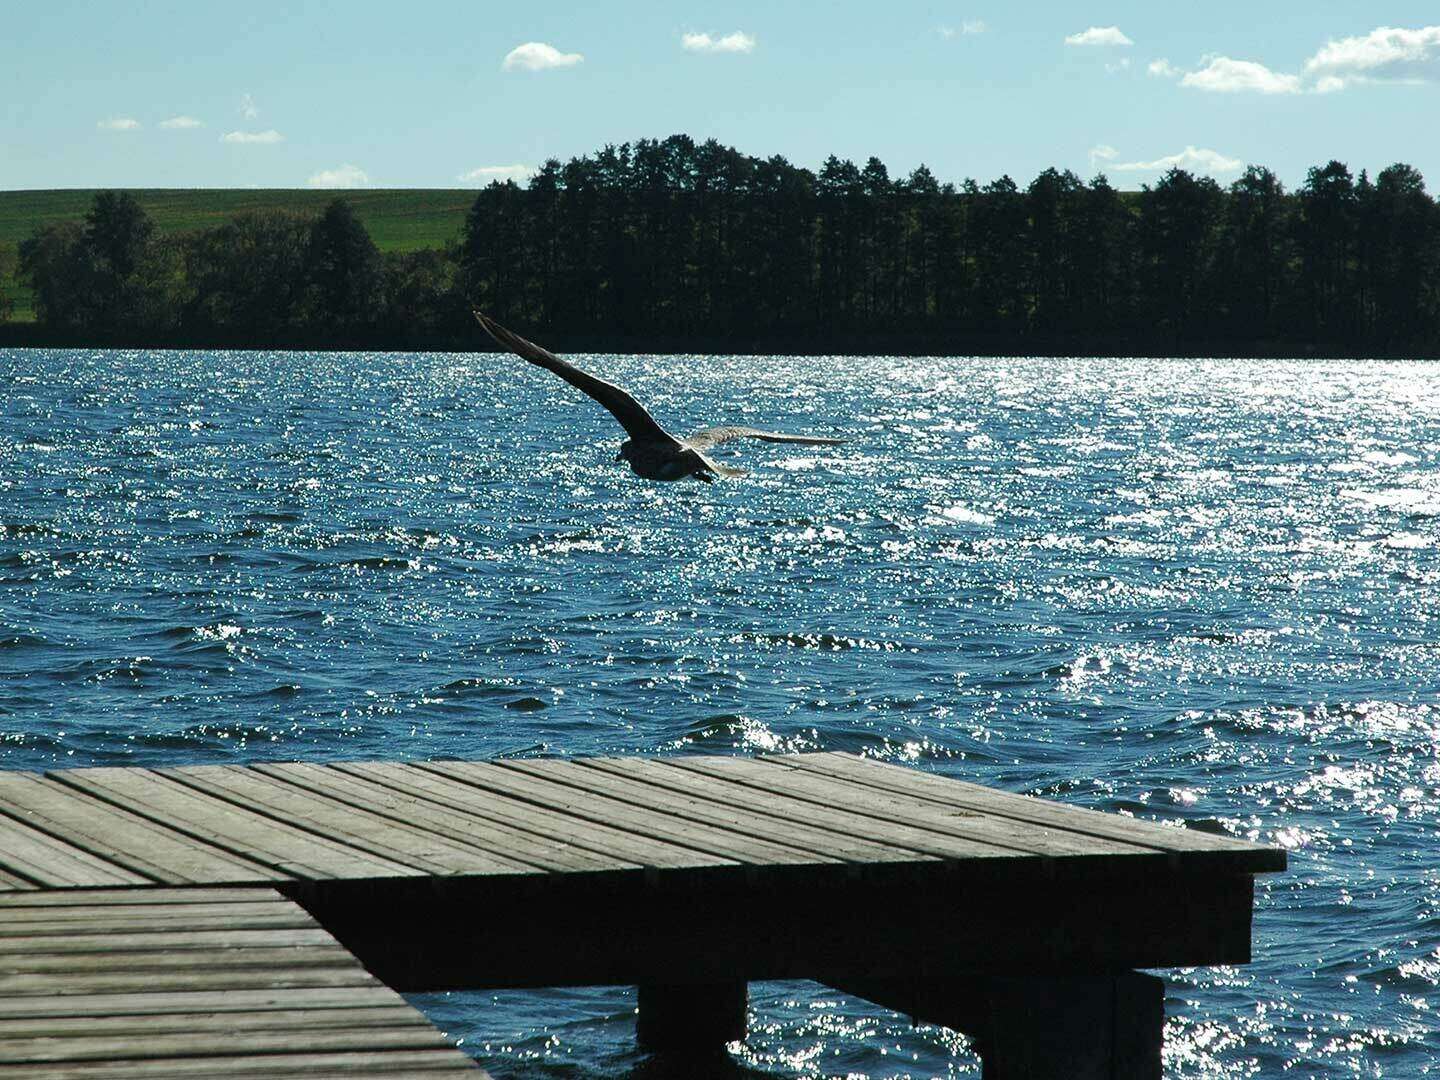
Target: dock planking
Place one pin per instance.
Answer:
(104, 988)
(548, 820)
(294, 894)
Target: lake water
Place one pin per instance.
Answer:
(1200, 591)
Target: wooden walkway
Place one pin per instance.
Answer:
(132, 894)
(196, 983)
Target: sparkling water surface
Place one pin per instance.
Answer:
(1199, 591)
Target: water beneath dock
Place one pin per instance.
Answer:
(1198, 590)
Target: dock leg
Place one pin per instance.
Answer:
(690, 1018)
(1103, 1028)
(1099, 1027)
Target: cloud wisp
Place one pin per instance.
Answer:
(181, 123)
(247, 108)
(737, 42)
(487, 173)
(346, 176)
(538, 56)
(1099, 35)
(1163, 69)
(119, 123)
(1192, 159)
(1101, 153)
(263, 138)
(966, 29)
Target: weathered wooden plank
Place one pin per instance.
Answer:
(14, 882)
(127, 981)
(308, 1067)
(429, 1064)
(594, 833)
(163, 960)
(286, 850)
(186, 1019)
(551, 784)
(47, 861)
(157, 938)
(912, 842)
(353, 825)
(119, 836)
(1243, 857)
(24, 922)
(884, 806)
(707, 844)
(432, 813)
(143, 1042)
(151, 896)
(358, 994)
(756, 838)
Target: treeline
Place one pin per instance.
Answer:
(670, 244)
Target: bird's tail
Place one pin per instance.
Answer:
(716, 468)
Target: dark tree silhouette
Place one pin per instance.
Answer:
(1326, 236)
(56, 264)
(998, 224)
(249, 276)
(1254, 256)
(9, 266)
(343, 272)
(117, 230)
(1053, 202)
(1401, 225)
(1177, 246)
(673, 244)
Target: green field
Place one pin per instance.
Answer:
(398, 220)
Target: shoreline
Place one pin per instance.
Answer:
(35, 336)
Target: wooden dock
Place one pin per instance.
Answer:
(234, 921)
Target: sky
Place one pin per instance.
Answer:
(435, 93)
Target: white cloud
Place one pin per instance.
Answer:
(1099, 35)
(1223, 75)
(271, 136)
(119, 123)
(1191, 158)
(1387, 53)
(738, 42)
(1123, 64)
(487, 173)
(247, 107)
(537, 56)
(178, 122)
(346, 176)
(1102, 152)
(966, 28)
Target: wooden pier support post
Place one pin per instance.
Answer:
(690, 1018)
(1092, 1027)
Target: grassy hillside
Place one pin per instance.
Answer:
(404, 220)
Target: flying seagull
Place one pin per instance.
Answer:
(651, 451)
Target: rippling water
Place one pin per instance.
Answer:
(1201, 591)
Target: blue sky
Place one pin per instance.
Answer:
(362, 93)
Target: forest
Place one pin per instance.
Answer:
(666, 245)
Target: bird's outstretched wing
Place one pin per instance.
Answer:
(638, 423)
(704, 440)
